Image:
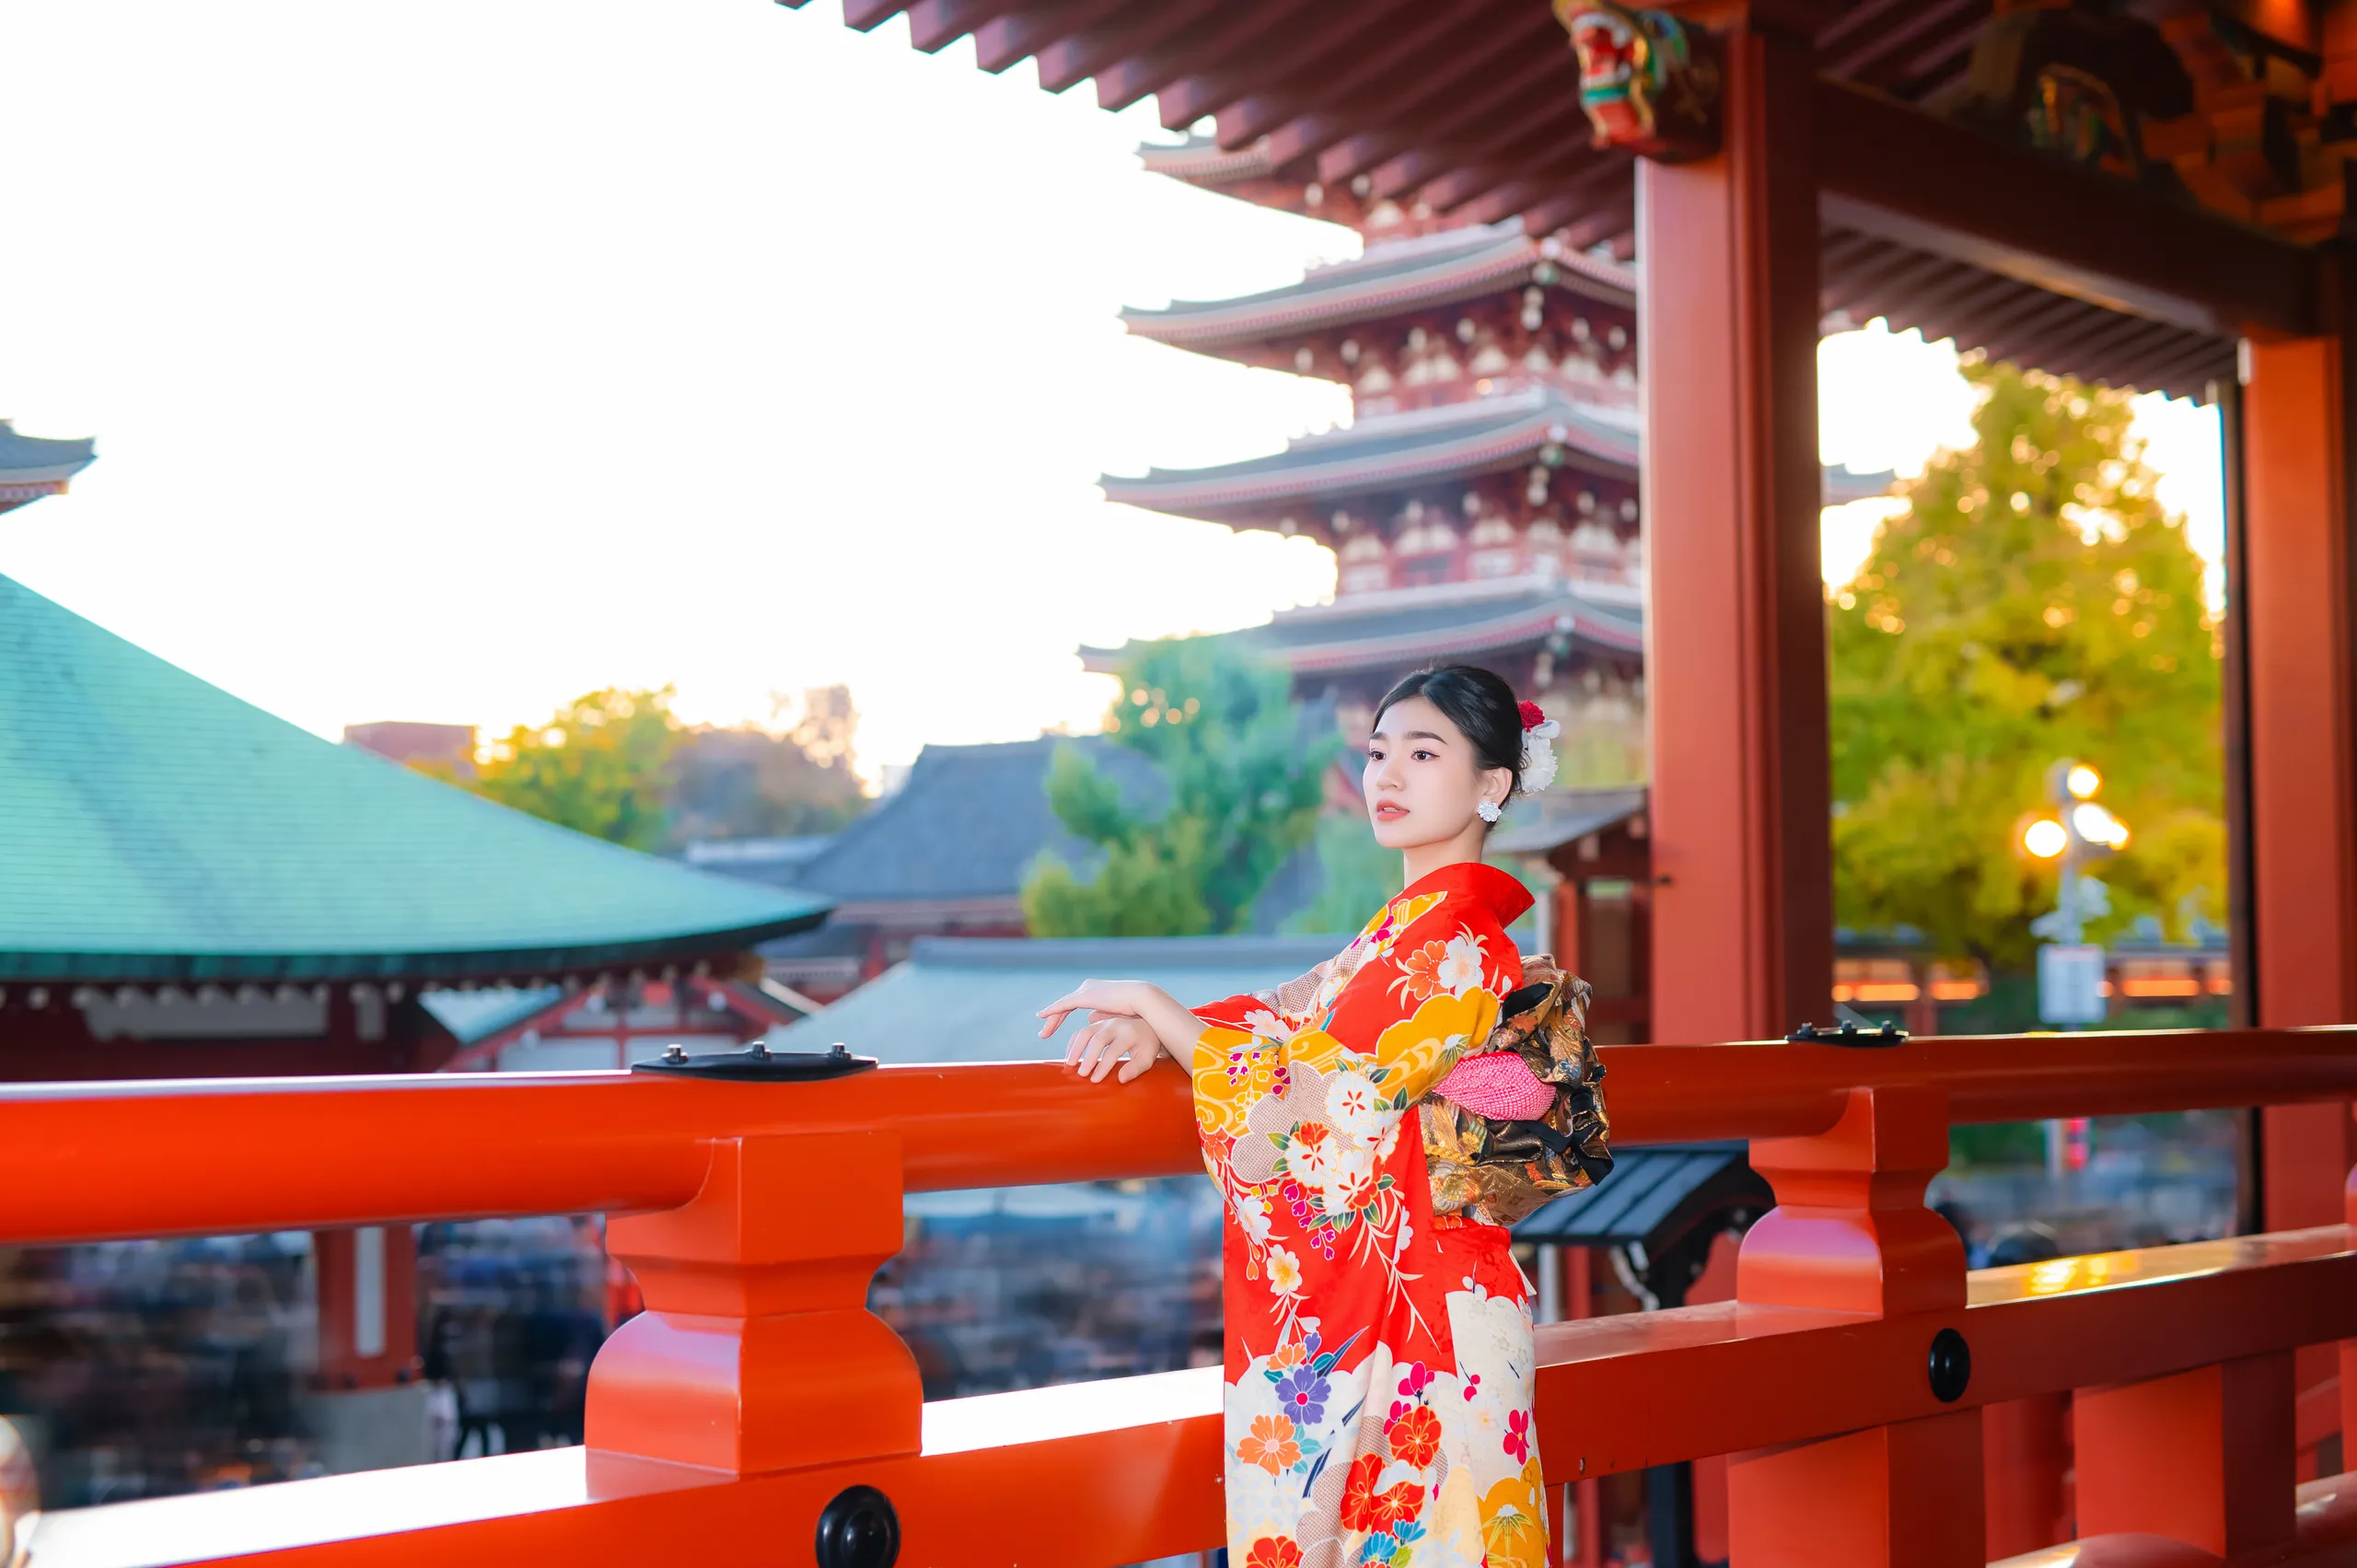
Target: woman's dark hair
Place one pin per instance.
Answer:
(1478, 704)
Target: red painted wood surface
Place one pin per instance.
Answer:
(1735, 661)
(756, 1362)
(2303, 757)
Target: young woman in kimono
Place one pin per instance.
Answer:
(1378, 1342)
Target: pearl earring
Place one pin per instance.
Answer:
(1489, 811)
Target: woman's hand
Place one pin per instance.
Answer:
(1103, 998)
(1124, 1015)
(1111, 1038)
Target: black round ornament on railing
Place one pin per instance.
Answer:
(1951, 1366)
(859, 1529)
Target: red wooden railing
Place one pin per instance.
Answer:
(755, 1388)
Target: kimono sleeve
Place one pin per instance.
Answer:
(1406, 1018)
(1240, 1054)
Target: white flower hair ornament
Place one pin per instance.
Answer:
(1539, 733)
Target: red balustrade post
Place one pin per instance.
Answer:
(756, 1352)
(2348, 1357)
(2204, 1457)
(1849, 1233)
(2025, 1448)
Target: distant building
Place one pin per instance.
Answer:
(943, 855)
(1482, 506)
(452, 745)
(220, 893)
(31, 468)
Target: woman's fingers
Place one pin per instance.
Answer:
(1056, 1012)
(1098, 1050)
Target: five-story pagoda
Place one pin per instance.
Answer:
(1484, 503)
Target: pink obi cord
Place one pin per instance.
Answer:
(1499, 1084)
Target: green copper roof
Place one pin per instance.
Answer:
(152, 827)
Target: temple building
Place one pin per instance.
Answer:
(1482, 504)
(197, 887)
(31, 468)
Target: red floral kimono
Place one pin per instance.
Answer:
(1379, 1365)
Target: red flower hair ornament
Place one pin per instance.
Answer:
(1539, 734)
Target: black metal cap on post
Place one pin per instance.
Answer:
(1950, 1367)
(859, 1529)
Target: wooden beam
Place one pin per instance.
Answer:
(1254, 44)
(1293, 134)
(1967, 290)
(1892, 39)
(1582, 197)
(866, 16)
(1390, 111)
(1071, 61)
(1011, 37)
(1302, 66)
(935, 25)
(1545, 150)
(1205, 44)
(1457, 134)
(1890, 170)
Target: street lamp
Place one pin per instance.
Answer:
(2069, 970)
(2080, 831)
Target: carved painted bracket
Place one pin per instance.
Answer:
(1648, 81)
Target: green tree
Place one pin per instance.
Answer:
(1244, 775)
(601, 765)
(1356, 875)
(2034, 602)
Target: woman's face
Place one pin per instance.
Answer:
(1424, 782)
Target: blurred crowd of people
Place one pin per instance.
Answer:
(145, 1368)
(1025, 1286)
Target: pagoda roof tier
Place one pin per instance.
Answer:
(1391, 452)
(1200, 160)
(156, 828)
(31, 468)
(1928, 218)
(1398, 628)
(1407, 274)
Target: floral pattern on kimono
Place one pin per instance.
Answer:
(1378, 1361)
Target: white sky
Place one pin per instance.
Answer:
(449, 360)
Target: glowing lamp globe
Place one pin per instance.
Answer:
(2046, 838)
(2083, 782)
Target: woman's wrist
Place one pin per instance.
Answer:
(1175, 1027)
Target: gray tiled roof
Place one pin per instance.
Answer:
(1403, 629)
(966, 999)
(966, 824)
(1388, 451)
(30, 460)
(1388, 281)
(1566, 815)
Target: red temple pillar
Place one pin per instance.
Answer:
(368, 1409)
(367, 1307)
(1735, 671)
(2291, 609)
(2293, 604)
